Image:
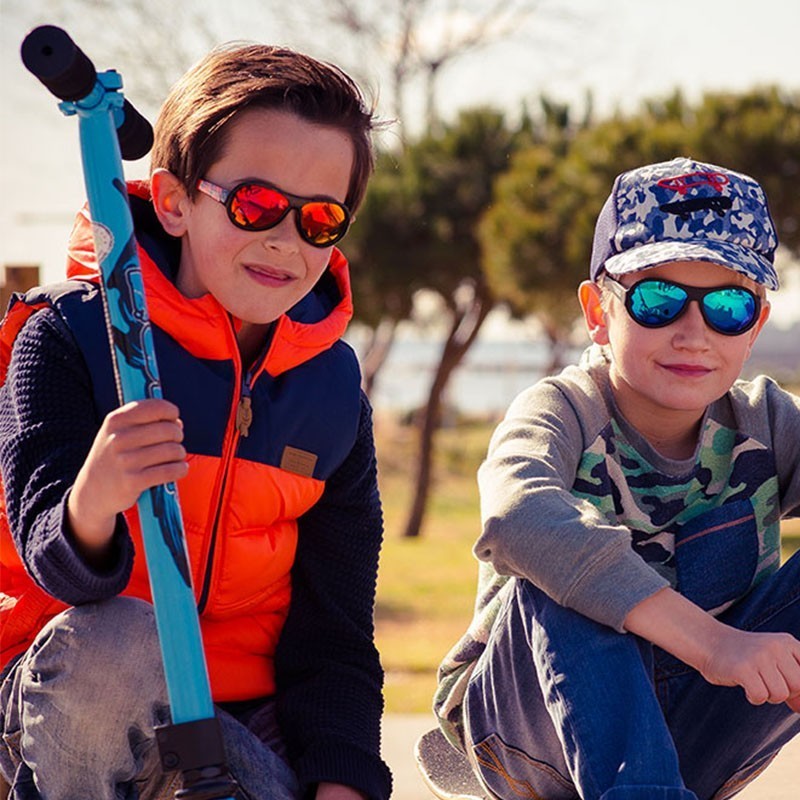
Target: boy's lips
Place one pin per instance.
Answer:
(271, 276)
(687, 370)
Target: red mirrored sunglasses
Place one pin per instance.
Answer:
(258, 206)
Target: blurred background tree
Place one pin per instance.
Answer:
(418, 230)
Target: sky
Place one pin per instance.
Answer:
(621, 51)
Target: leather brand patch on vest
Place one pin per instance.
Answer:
(301, 462)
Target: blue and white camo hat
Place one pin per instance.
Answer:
(683, 210)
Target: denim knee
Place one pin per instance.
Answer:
(91, 689)
(113, 641)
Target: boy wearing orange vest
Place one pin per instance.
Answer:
(261, 157)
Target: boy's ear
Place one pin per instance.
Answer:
(170, 201)
(589, 296)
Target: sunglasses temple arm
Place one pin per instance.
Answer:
(193, 743)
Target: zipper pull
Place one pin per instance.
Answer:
(244, 416)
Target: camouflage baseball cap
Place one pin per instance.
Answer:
(683, 210)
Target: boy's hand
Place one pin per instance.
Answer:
(137, 447)
(336, 791)
(765, 665)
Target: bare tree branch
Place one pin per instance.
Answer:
(415, 39)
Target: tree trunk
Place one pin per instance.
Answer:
(431, 110)
(464, 330)
(557, 348)
(377, 352)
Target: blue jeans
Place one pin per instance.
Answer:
(77, 712)
(561, 707)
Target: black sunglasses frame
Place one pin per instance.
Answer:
(226, 198)
(625, 294)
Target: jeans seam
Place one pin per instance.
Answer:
(735, 784)
(492, 763)
(487, 758)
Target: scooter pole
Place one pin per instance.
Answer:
(111, 129)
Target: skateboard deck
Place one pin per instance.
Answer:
(446, 771)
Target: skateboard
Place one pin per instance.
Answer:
(446, 771)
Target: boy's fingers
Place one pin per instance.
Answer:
(166, 473)
(167, 453)
(792, 673)
(143, 411)
(162, 470)
(130, 432)
(782, 677)
(757, 692)
(777, 688)
(144, 458)
(154, 433)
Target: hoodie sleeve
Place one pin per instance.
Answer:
(48, 422)
(535, 528)
(329, 676)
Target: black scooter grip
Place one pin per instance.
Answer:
(51, 55)
(135, 134)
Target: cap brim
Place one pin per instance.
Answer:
(740, 259)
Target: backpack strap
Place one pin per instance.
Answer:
(19, 312)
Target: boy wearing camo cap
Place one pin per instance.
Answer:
(635, 634)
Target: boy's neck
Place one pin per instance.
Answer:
(670, 432)
(251, 339)
(677, 445)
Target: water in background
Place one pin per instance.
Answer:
(491, 375)
(494, 372)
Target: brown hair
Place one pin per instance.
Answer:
(191, 128)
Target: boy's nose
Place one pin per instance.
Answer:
(691, 329)
(283, 236)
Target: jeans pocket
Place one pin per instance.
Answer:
(716, 555)
(509, 772)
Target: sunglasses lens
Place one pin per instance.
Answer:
(323, 223)
(257, 208)
(730, 310)
(656, 303)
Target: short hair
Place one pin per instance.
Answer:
(191, 129)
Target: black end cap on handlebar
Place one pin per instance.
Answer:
(51, 55)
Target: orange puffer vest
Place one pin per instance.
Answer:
(251, 475)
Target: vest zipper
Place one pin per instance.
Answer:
(244, 413)
(227, 457)
(242, 419)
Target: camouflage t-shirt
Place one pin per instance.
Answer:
(575, 500)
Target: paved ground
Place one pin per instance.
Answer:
(781, 781)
